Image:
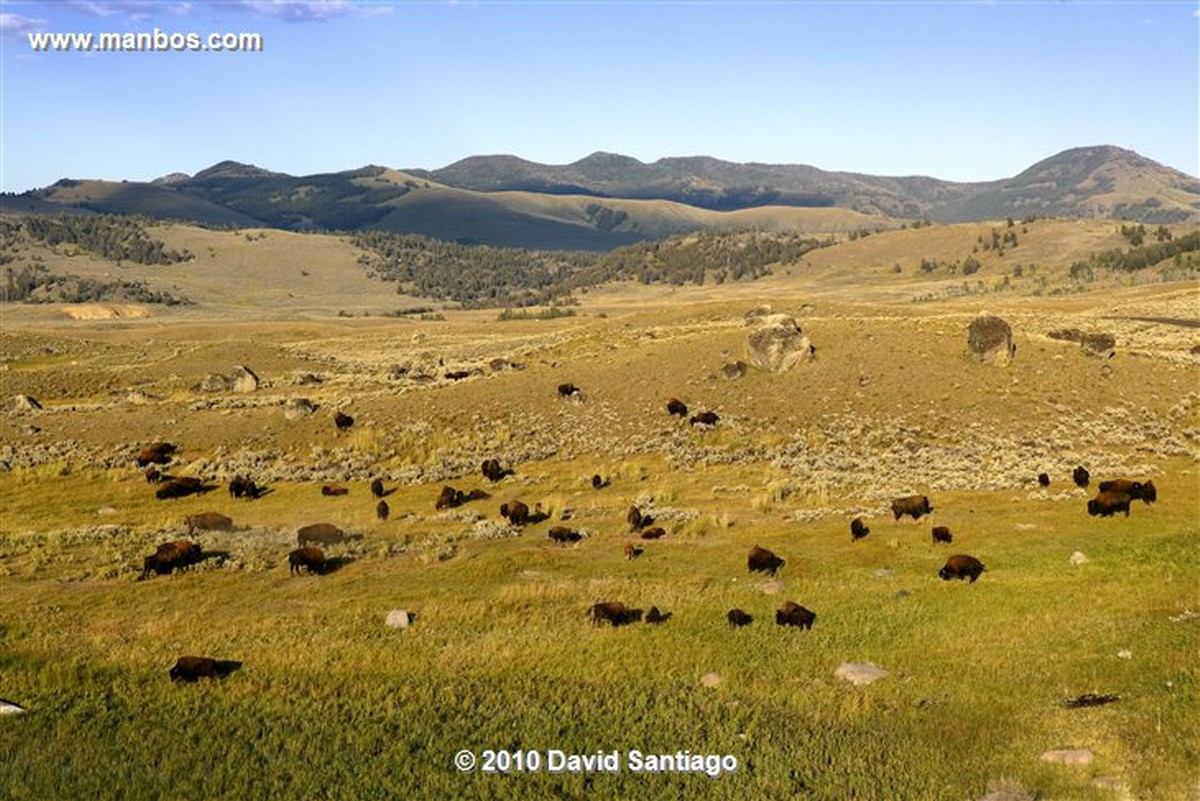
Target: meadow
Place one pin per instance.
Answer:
(500, 655)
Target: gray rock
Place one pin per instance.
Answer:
(734, 370)
(990, 340)
(1078, 558)
(295, 408)
(25, 403)
(9, 708)
(1069, 756)
(1101, 345)
(244, 379)
(777, 344)
(398, 619)
(859, 673)
(214, 382)
(772, 587)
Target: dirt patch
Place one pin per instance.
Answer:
(104, 311)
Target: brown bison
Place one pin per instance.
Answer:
(655, 616)
(310, 558)
(677, 407)
(568, 391)
(171, 556)
(658, 532)
(193, 668)
(613, 612)
(1044, 479)
(599, 482)
(242, 487)
(858, 529)
(1136, 490)
(705, 419)
(632, 551)
(516, 512)
(914, 505)
(793, 614)
(762, 560)
(1106, 504)
(961, 566)
(377, 488)
(564, 534)
(342, 421)
(179, 488)
(738, 618)
(636, 519)
(449, 498)
(1081, 476)
(322, 534)
(208, 521)
(492, 471)
(382, 511)
(334, 490)
(156, 453)
(941, 534)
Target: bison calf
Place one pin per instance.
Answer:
(632, 551)
(1081, 476)
(310, 558)
(858, 529)
(941, 534)
(793, 614)
(961, 566)
(761, 560)
(193, 668)
(738, 618)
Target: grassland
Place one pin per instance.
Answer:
(330, 703)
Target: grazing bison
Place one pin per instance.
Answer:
(738, 618)
(449, 498)
(961, 566)
(1044, 479)
(858, 529)
(1081, 476)
(320, 533)
(334, 490)
(171, 556)
(613, 612)
(677, 407)
(655, 616)
(382, 511)
(632, 551)
(377, 488)
(492, 471)
(658, 532)
(242, 487)
(156, 453)
(636, 519)
(793, 614)
(208, 521)
(564, 534)
(568, 391)
(598, 482)
(154, 476)
(1136, 490)
(342, 421)
(179, 488)
(705, 418)
(516, 512)
(762, 560)
(941, 534)
(310, 558)
(1106, 504)
(193, 668)
(915, 505)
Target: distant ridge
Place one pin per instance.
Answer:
(606, 200)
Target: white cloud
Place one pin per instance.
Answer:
(15, 26)
(300, 10)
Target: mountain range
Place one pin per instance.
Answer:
(607, 200)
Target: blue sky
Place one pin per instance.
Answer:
(956, 90)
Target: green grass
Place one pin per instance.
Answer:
(331, 704)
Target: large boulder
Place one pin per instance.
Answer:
(1100, 344)
(776, 343)
(990, 340)
(244, 379)
(26, 403)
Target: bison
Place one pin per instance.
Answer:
(598, 482)
(193, 668)
(377, 488)
(1106, 504)
(655, 616)
(334, 490)
(382, 511)
(1043, 479)
(1136, 490)
(705, 418)
(793, 614)
(242, 487)
(156, 453)
(636, 519)
(677, 407)
(914, 505)
(762, 560)
(310, 558)
(961, 566)
(516, 512)
(941, 534)
(568, 391)
(613, 612)
(171, 556)
(632, 551)
(208, 521)
(492, 471)
(179, 488)
(564, 534)
(738, 618)
(858, 529)
(320, 533)
(658, 532)
(1081, 476)
(342, 421)
(449, 498)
